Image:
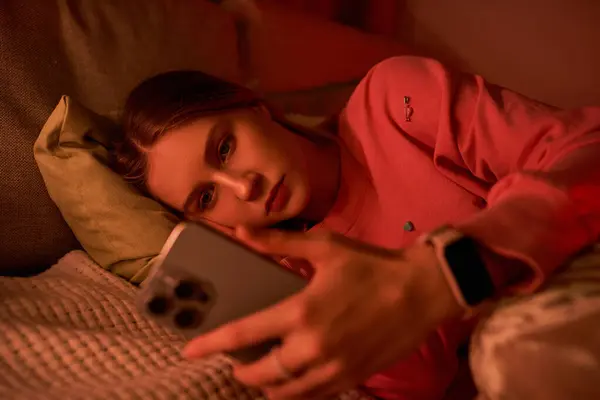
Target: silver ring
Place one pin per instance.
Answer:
(283, 371)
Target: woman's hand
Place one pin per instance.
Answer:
(364, 309)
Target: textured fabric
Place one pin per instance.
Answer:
(95, 51)
(25, 209)
(544, 346)
(120, 229)
(73, 332)
(428, 146)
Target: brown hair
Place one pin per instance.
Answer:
(173, 99)
(167, 101)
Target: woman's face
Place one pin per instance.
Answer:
(234, 168)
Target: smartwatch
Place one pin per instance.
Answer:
(462, 265)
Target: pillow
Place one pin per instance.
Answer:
(120, 229)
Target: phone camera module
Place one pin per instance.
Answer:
(185, 289)
(158, 305)
(187, 318)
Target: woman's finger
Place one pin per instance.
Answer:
(315, 383)
(276, 367)
(311, 247)
(273, 322)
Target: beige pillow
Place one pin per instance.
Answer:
(121, 229)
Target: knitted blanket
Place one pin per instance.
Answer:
(73, 332)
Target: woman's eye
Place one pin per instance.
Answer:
(225, 148)
(206, 198)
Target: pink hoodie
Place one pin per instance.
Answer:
(426, 146)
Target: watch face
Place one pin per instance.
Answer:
(469, 271)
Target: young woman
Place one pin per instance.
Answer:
(515, 183)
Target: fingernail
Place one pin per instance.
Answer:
(188, 352)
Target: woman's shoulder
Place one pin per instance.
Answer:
(407, 70)
(403, 92)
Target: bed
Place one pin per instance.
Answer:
(72, 332)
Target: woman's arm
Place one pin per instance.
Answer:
(542, 163)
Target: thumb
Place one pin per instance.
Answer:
(304, 245)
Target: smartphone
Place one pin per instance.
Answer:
(204, 279)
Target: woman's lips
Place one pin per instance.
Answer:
(278, 197)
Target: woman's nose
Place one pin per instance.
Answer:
(246, 186)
